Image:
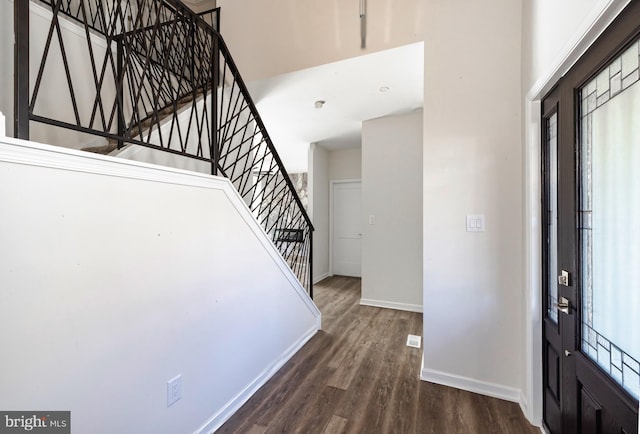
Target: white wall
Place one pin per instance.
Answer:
(345, 164)
(392, 192)
(318, 179)
(122, 275)
(271, 38)
(554, 35)
(473, 294)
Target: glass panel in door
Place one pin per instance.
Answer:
(552, 218)
(610, 219)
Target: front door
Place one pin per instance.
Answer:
(591, 241)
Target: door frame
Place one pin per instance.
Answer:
(593, 25)
(332, 184)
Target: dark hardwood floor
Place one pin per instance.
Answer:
(358, 376)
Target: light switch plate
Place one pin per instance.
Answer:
(475, 222)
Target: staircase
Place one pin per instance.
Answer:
(153, 74)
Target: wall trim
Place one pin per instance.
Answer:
(391, 305)
(216, 421)
(471, 385)
(594, 24)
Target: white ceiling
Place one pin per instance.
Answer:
(351, 90)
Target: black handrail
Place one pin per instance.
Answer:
(164, 79)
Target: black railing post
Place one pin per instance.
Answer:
(215, 75)
(192, 49)
(311, 262)
(21, 69)
(120, 90)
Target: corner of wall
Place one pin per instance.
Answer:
(318, 179)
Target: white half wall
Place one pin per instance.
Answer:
(117, 276)
(392, 194)
(318, 180)
(473, 293)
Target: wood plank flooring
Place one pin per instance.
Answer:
(358, 376)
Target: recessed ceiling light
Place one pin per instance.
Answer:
(384, 88)
(318, 104)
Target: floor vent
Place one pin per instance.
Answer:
(413, 341)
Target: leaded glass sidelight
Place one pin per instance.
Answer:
(608, 219)
(552, 217)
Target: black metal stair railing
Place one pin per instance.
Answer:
(153, 73)
(211, 17)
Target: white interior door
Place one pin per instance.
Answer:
(346, 228)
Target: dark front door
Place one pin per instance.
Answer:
(591, 238)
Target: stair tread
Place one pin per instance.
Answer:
(111, 146)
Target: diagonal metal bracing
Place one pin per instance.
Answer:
(163, 78)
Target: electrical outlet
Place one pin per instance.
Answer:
(174, 390)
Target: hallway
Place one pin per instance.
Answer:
(358, 376)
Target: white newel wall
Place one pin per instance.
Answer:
(117, 276)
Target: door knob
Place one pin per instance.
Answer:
(567, 353)
(563, 305)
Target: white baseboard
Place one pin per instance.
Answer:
(216, 421)
(526, 410)
(320, 278)
(481, 387)
(524, 405)
(391, 305)
(471, 385)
